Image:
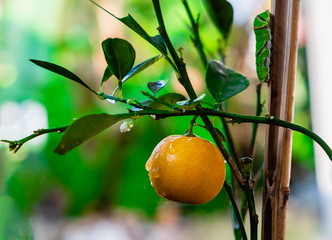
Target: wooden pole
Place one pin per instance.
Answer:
(281, 89)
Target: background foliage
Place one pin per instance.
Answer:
(107, 171)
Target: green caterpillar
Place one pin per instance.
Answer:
(262, 24)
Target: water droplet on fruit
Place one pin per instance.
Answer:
(155, 173)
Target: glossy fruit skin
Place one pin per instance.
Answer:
(186, 169)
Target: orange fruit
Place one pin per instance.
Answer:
(186, 169)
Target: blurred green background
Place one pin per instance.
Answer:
(107, 172)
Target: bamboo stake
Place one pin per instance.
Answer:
(277, 164)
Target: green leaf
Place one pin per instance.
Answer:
(157, 86)
(84, 128)
(107, 74)
(170, 98)
(130, 22)
(119, 55)
(139, 68)
(221, 13)
(223, 82)
(191, 104)
(220, 135)
(159, 40)
(61, 71)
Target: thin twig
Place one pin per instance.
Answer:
(196, 37)
(16, 145)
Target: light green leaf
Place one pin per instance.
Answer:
(223, 82)
(84, 128)
(119, 55)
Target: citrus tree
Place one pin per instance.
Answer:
(186, 168)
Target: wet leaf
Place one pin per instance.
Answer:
(84, 128)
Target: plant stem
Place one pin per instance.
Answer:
(229, 140)
(235, 118)
(253, 215)
(238, 224)
(196, 37)
(185, 81)
(255, 125)
(182, 72)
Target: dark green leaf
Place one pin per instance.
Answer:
(170, 98)
(130, 22)
(223, 82)
(107, 75)
(139, 68)
(119, 55)
(157, 86)
(221, 13)
(84, 128)
(220, 135)
(61, 71)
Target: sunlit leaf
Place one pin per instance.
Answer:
(221, 13)
(84, 128)
(61, 71)
(157, 86)
(119, 55)
(223, 82)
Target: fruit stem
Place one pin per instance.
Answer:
(190, 131)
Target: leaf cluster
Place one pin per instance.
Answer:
(221, 81)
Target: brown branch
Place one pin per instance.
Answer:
(277, 164)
